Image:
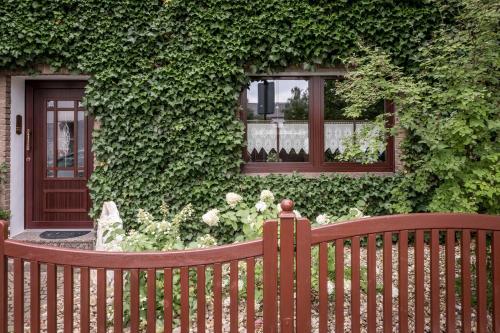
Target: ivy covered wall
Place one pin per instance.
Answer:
(166, 78)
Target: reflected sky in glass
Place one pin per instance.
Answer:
(282, 89)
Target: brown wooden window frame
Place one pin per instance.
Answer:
(316, 163)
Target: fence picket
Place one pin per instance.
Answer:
(355, 285)
(372, 284)
(134, 300)
(51, 298)
(68, 299)
(403, 281)
(450, 280)
(466, 281)
(270, 244)
(233, 296)
(101, 300)
(167, 300)
(34, 297)
(495, 251)
(250, 295)
(481, 282)
(151, 301)
(339, 285)
(435, 299)
(419, 282)
(200, 298)
(18, 295)
(217, 298)
(323, 288)
(184, 299)
(387, 271)
(118, 300)
(84, 300)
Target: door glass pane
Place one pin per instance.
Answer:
(50, 140)
(81, 139)
(65, 173)
(65, 139)
(51, 104)
(65, 104)
(278, 121)
(340, 131)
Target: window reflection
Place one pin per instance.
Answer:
(277, 121)
(338, 128)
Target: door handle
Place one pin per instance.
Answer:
(28, 139)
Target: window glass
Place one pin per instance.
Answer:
(341, 132)
(278, 121)
(65, 139)
(50, 143)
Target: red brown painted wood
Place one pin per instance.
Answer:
(403, 281)
(483, 227)
(151, 301)
(355, 286)
(466, 281)
(84, 300)
(287, 271)
(52, 201)
(303, 276)
(118, 300)
(34, 297)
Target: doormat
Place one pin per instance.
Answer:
(62, 234)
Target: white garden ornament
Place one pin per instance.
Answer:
(109, 221)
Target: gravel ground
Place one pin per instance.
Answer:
(242, 310)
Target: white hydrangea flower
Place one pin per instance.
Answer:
(322, 219)
(261, 206)
(266, 195)
(330, 287)
(278, 207)
(211, 217)
(233, 199)
(297, 214)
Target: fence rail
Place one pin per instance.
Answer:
(405, 270)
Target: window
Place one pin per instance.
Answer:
(297, 124)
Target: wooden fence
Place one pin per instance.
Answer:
(402, 244)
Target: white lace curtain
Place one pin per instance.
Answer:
(296, 136)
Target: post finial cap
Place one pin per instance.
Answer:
(287, 205)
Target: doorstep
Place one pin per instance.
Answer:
(85, 242)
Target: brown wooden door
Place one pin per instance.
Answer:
(58, 158)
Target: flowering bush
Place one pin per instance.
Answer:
(237, 214)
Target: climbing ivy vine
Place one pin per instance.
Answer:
(166, 76)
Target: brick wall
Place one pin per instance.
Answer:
(5, 136)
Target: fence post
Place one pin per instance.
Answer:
(3, 278)
(287, 266)
(270, 263)
(303, 263)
